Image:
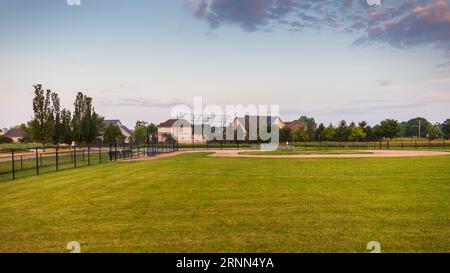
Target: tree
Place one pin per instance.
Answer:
(310, 129)
(285, 134)
(5, 140)
(342, 131)
(42, 124)
(357, 133)
(363, 124)
(319, 131)
(86, 123)
(433, 132)
(152, 131)
(329, 133)
(445, 127)
(112, 134)
(299, 135)
(140, 132)
(65, 129)
(388, 128)
(411, 128)
(57, 118)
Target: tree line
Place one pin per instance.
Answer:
(52, 125)
(386, 129)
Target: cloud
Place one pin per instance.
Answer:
(124, 102)
(402, 23)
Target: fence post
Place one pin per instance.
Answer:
(115, 152)
(13, 167)
(37, 161)
(75, 156)
(89, 155)
(100, 153)
(84, 159)
(57, 159)
(131, 147)
(110, 152)
(388, 144)
(21, 162)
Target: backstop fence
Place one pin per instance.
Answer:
(22, 162)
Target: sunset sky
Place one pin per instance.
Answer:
(332, 60)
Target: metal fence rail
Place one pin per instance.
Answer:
(16, 163)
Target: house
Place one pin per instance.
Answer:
(126, 133)
(242, 124)
(181, 131)
(15, 134)
(295, 125)
(1, 132)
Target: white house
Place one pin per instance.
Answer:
(181, 131)
(126, 133)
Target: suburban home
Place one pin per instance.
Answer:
(1, 132)
(242, 124)
(295, 125)
(181, 131)
(126, 133)
(15, 134)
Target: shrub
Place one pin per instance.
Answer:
(4, 140)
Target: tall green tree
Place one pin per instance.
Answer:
(311, 127)
(329, 133)
(285, 134)
(388, 128)
(57, 118)
(357, 134)
(86, 123)
(342, 131)
(445, 127)
(42, 125)
(411, 128)
(140, 132)
(112, 134)
(319, 130)
(66, 129)
(434, 132)
(152, 131)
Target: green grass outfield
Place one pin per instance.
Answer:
(194, 203)
(303, 152)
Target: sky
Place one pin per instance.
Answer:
(137, 59)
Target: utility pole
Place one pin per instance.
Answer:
(420, 125)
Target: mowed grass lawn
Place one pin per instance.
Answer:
(304, 152)
(194, 203)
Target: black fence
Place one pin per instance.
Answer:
(372, 145)
(22, 162)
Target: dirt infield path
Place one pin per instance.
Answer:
(236, 154)
(373, 153)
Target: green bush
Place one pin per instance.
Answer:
(4, 140)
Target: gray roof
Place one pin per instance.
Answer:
(117, 122)
(16, 132)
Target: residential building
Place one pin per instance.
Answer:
(126, 133)
(295, 125)
(181, 131)
(16, 134)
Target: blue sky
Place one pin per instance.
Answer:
(139, 58)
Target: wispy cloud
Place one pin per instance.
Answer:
(403, 23)
(125, 102)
